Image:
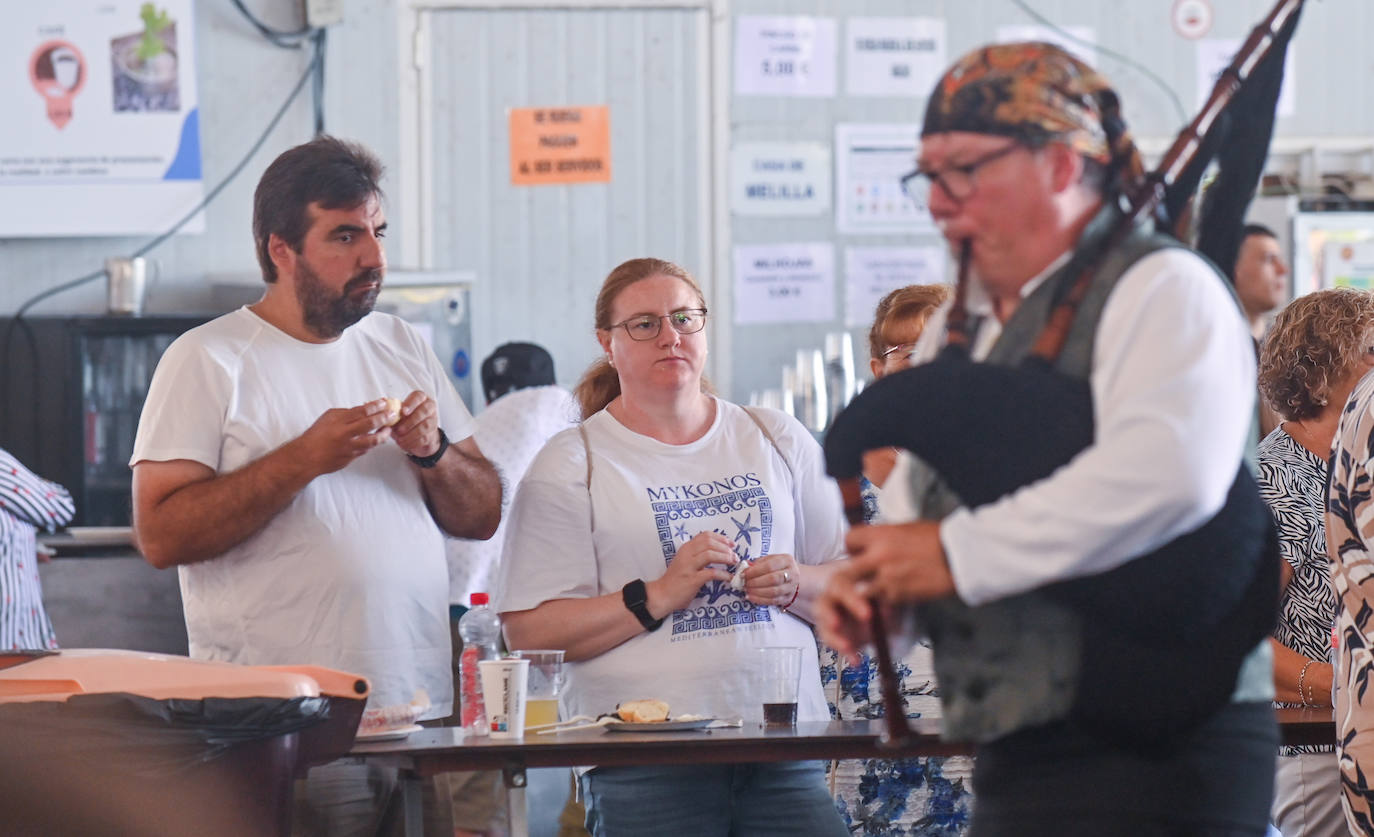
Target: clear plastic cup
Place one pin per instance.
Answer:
(781, 668)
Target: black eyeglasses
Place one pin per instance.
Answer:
(647, 326)
(957, 181)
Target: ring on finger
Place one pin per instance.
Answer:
(786, 577)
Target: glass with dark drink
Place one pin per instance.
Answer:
(780, 714)
(781, 668)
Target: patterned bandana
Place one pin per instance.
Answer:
(1033, 93)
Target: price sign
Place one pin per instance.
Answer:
(785, 283)
(785, 56)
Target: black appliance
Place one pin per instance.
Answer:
(71, 412)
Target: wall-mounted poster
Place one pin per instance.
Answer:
(785, 283)
(871, 273)
(779, 178)
(785, 56)
(549, 146)
(870, 161)
(894, 56)
(102, 123)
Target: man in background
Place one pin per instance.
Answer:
(1261, 280)
(525, 408)
(1260, 276)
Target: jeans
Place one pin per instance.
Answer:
(711, 800)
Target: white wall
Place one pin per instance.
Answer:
(243, 80)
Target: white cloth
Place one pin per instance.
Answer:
(649, 498)
(1173, 396)
(351, 574)
(510, 431)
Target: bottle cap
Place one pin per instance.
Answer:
(479, 599)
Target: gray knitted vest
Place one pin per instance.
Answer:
(1014, 663)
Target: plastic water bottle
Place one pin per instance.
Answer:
(480, 629)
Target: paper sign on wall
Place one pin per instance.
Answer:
(894, 56)
(1216, 54)
(560, 145)
(784, 283)
(1348, 264)
(870, 160)
(102, 120)
(871, 273)
(784, 56)
(1081, 40)
(780, 178)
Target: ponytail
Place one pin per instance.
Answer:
(600, 385)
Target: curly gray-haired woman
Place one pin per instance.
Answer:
(1315, 353)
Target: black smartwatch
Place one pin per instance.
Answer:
(636, 597)
(433, 459)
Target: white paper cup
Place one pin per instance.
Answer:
(505, 687)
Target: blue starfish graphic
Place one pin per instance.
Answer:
(745, 529)
(680, 531)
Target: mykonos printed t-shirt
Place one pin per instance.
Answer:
(647, 499)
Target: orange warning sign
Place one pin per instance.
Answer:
(560, 145)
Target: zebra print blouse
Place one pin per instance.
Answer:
(1292, 481)
(27, 504)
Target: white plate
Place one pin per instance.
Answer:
(388, 734)
(662, 726)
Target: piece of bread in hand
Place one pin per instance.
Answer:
(393, 410)
(648, 711)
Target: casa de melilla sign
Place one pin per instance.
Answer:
(780, 179)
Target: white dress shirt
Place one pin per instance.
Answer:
(1173, 385)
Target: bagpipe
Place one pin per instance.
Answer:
(1165, 633)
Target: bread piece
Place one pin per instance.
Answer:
(393, 411)
(649, 711)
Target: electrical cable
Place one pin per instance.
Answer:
(1129, 62)
(318, 86)
(316, 60)
(285, 40)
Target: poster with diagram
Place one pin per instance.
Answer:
(102, 121)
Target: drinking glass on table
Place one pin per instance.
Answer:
(546, 682)
(781, 669)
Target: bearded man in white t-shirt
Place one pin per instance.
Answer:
(305, 513)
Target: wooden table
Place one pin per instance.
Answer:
(440, 750)
(1306, 726)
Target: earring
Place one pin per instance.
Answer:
(610, 361)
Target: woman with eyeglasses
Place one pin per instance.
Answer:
(1315, 353)
(912, 795)
(663, 543)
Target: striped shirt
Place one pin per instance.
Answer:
(27, 504)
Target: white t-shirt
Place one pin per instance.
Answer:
(351, 574)
(510, 431)
(649, 498)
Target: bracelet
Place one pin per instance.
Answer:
(792, 600)
(1302, 675)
